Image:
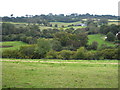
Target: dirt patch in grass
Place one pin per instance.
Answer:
(5, 46)
(57, 62)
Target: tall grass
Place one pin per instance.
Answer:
(59, 75)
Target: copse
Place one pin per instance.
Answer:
(93, 46)
(27, 51)
(8, 28)
(104, 29)
(110, 37)
(71, 40)
(43, 46)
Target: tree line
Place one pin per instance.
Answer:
(45, 19)
(45, 49)
(60, 44)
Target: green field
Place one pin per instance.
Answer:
(65, 24)
(100, 39)
(109, 23)
(12, 45)
(84, 74)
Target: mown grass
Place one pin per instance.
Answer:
(100, 39)
(59, 75)
(116, 23)
(14, 45)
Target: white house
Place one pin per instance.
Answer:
(81, 24)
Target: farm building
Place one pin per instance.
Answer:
(118, 35)
(81, 24)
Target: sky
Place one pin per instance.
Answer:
(37, 7)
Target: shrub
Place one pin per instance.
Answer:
(56, 45)
(27, 51)
(51, 54)
(43, 46)
(10, 54)
(93, 46)
(81, 53)
(108, 53)
(90, 55)
(66, 54)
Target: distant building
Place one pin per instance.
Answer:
(81, 24)
(118, 35)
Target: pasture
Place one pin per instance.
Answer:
(100, 39)
(116, 23)
(59, 73)
(65, 24)
(11, 45)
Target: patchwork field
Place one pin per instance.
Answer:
(51, 74)
(11, 45)
(65, 24)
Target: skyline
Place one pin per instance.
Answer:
(37, 7)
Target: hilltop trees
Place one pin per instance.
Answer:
(45, 19)
(103, 21)
(8, 29)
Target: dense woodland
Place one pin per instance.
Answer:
(59, 43)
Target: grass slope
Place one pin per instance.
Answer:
(14, 44)
(100, 39)
(59, 75)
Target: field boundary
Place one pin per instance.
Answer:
(55, 62)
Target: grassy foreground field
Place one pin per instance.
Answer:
(83, 74)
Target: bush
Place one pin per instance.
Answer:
(56, 45)
(93, 46)
(66, 54)
(81, 53)
(43, 46)
(51, 54)
(27, 51)
(108, 53)
(90, 55)
(10, 54)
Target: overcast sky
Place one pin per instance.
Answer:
(37, 7)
